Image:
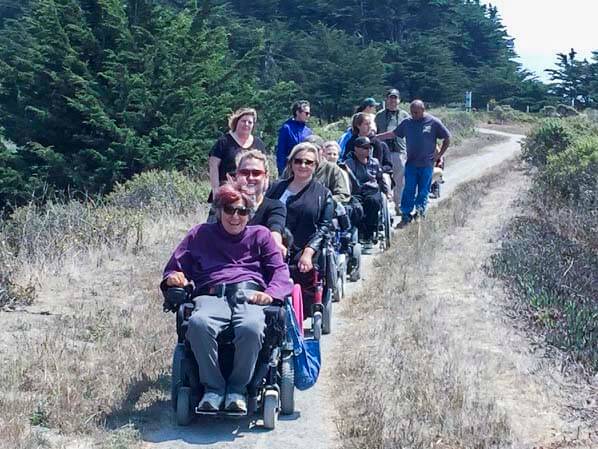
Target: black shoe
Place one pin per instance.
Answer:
(405, 220)
(420, 215)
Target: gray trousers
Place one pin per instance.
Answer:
(210, 317)
(398, 175)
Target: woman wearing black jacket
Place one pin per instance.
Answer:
(309, 205)
(309, 215)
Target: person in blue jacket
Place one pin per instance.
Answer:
(292, 132)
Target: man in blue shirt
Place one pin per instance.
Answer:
(292, 132)
(421, 131)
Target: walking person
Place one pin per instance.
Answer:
(292, 132)
(387, 120)
(222, 160)
(421, 131)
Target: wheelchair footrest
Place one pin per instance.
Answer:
(220, 413)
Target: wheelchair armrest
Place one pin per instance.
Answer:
(287, 238)
(174, 297)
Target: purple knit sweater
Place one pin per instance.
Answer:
(208, 255)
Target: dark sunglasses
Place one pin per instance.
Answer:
(306, 162)
(241, 210)
(246, 172)
(306, 112)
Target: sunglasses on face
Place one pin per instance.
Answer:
(308, 113)
(306, 162)
(246, 173)
(232, 210)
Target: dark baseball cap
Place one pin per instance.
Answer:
(393, 93)
(369, 102)
(363, 142)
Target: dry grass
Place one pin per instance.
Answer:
(404, 382)
(101, 358)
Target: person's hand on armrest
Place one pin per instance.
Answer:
(305, 263)
(177, 279)
(261, 298)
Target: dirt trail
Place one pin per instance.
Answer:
(500, 358)
(313, 425)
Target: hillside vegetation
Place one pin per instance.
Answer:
(94, 92)
(549, 256)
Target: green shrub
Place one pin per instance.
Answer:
(549, 111)
(506, 114)
(552, 136)
(592, 114)
(160, 189)
(566, 111)
(572, 174)
(550, 256)
(461, 124)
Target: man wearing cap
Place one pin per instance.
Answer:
(387, 120)
(368, 106)
(367, 185)
(421, 132)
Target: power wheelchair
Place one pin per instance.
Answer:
(347, 249)
(271, 389)
(318, 287)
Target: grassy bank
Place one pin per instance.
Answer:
(549, 257)
(404, 383)
(90, 352)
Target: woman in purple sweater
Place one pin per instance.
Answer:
(219, 259)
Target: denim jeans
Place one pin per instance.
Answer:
(420, 179)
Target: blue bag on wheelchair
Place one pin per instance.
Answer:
(307, 357)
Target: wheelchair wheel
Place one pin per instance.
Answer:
(183, 407)
(387, 230)
(343, 277)
(270, 409)
(177, 379)
(356, 263)
(327, 315)
(317, 325)
(386, 223)
(287, 385)
(338, 288)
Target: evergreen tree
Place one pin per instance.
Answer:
(94, 91)
(572, 80)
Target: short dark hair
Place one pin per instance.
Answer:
(298, 106)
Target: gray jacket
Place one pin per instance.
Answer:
(384, 118)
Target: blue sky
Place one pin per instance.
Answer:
(543, 28)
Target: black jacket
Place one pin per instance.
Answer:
(379, 150)
(309, 213)
(271, 214)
